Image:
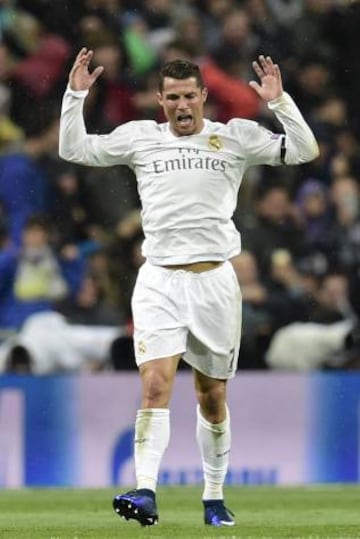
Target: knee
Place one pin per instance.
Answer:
(213, 404)
(156, 389)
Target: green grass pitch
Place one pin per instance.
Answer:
(261, 512)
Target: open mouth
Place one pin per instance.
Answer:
(184, 120)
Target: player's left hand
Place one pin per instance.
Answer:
(270, 86)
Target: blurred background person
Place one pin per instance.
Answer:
(33, 278)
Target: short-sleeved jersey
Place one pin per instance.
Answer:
(188, 185)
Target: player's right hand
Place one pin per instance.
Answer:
(80, 77)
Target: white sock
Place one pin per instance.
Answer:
(214, 441)
(152, 434)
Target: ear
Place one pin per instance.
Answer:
(160, 99)
(204, 93)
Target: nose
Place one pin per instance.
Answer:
(182, 104)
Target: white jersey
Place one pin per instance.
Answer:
(188, 185)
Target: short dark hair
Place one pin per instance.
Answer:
(38, 220)
(180, 69)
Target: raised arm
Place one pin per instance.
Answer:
(299, 145)
(75, 144)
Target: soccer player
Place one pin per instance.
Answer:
(186, 302)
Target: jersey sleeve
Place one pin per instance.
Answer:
(261, 146)
(299, 145)
(77, 146)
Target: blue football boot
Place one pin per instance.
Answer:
(139, 504)
(216, 514)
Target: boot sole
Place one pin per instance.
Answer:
(129, 510)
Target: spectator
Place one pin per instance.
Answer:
(313, 83)
(137, 43)
(89, 306)
(345, 229)
(24, 187)
(48, 344)
(32, 277)
(269, 33)
(304, 346)
(347, 152)
(34, 79)
(72, 211)
(312, 26)
(213, 12)
(286, 12)
(59, 17)
(190, 31)
(236, 35)
(113, 101)
(10, 133)
(223, 86)
(126, 259)
(256, 319)
(314, 215)
(289, 297)
(273, 227)
(332, 300)
(341, 28)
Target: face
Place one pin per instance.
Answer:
(275, 205)
(35, 237)
(334, 292)
(315, 205)
(183, 105)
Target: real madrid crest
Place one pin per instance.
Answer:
(215, 142)
(141, 347)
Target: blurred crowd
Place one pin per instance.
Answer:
(70, 236)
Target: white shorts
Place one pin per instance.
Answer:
(197, 315)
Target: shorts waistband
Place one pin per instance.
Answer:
(196, 267)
